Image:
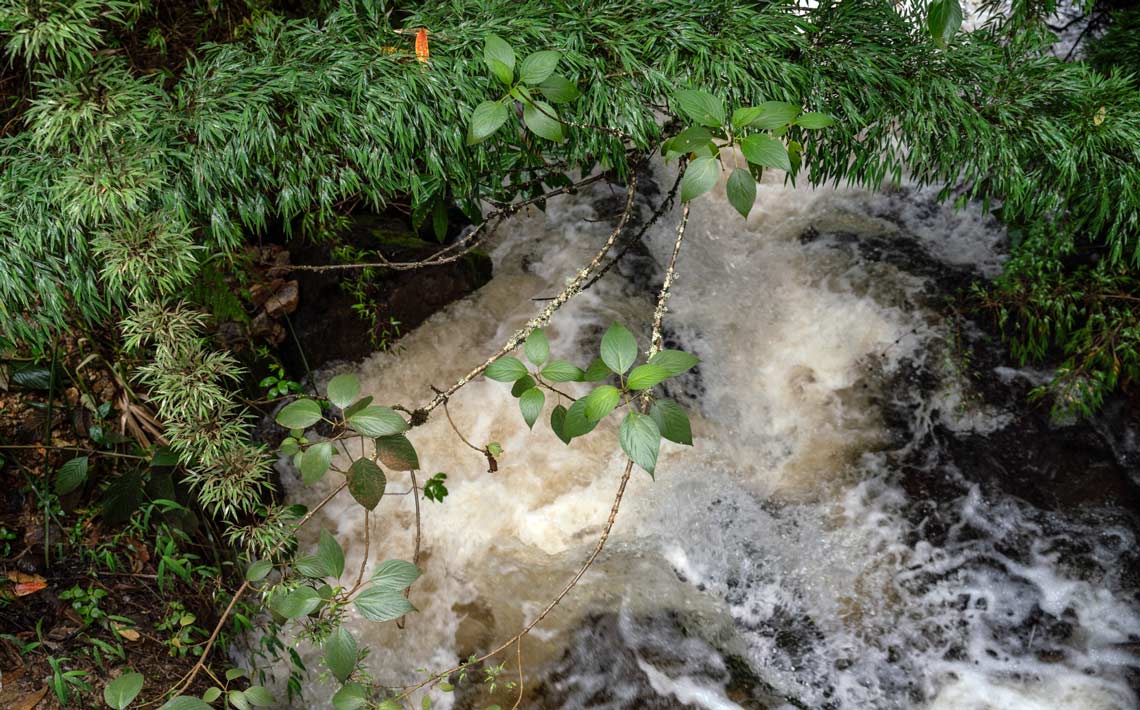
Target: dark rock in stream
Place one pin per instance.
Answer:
(610, 659)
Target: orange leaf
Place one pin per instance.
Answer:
(26, 584)
(422, 52)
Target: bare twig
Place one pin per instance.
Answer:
(462, 246)
(367, 542)
(572, 289)
(416, 553)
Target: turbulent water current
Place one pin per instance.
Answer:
(821, 546)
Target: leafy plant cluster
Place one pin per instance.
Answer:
(648, 419)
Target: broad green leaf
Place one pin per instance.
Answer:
(541, 118)
(358, 406)
(397, 453)
(619, 348)
(315, 462)
(559, 89)
(120, 692)
(741, 190)
(597, 371)
(297, 603)
(674, 361)
(814, 120)
(601, 402)
(71, 475)
(340, 654)
(236, 699)
(289, 446)
(772, 115)
(260, 696)
(311, 566)
(258, 571)
(562, 371)
(522, 385)
(672, 421)
(701, 106)
(795, 157)
(235, 673)
(378, 604)
(185, 702)
(693, 139)
(645, 376)
(378, 421)
(485, 120)
(352, 696)
(530, 403)
(502, 72)
(330, 554)
(577, 423)
(506, 369)
(558, 423)
(537, 347)
(700, 177)
(212, 694)
(743, 116)
(395, 575)
(640, 439)
(765, 151)
(943, 19)
(366, 483)
(299, 414)
(344, 389)
(538, 67)
(495, 48)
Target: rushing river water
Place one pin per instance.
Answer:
(816, 548)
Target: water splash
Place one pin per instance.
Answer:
(783, 561)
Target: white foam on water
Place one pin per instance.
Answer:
(782, 538)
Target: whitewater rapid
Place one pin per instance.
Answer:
(778, 563)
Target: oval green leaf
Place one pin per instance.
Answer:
(542, 119)
(537, 67)
(485, 120)
(379, 604)
(601, 402)
(577, 423)
(506, 369)
(71, 475)
(344, 389)
(366, 483)
(700, 177)
(741, 190)
(299, 414)
(674, 362)
(397, 453)
(562, 371)
(258, 571)
(495, 48)
(530, 403)
(537, 347)
(120, 692)
(315, 462)
(701, 106)
(645, 376)
(619, 348)
(640, 439)
(340, 654)
(765, 151)
(396, 575)
(672, 421)
(559, 89)
(378, 421)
